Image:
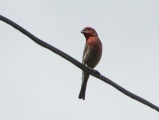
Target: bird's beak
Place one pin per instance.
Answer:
(83, 31)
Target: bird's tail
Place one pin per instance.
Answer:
(83, 86)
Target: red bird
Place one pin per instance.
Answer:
(91, 55)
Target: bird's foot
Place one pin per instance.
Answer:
(97, 72)
(94, 71)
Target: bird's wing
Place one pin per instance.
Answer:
(86, 54)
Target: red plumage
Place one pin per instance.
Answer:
(91, 55)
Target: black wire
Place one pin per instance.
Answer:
(77, 63)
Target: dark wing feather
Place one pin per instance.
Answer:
(86, 54)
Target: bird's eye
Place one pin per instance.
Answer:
(89, 29)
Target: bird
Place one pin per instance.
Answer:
(91, 55)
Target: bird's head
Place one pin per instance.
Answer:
(88, 32)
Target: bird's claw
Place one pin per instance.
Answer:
(94, 71)
(97, 72)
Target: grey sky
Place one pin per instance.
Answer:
(36, 84)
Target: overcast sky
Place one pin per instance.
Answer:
(36, 84)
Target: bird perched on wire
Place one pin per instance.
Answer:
(91, 55)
